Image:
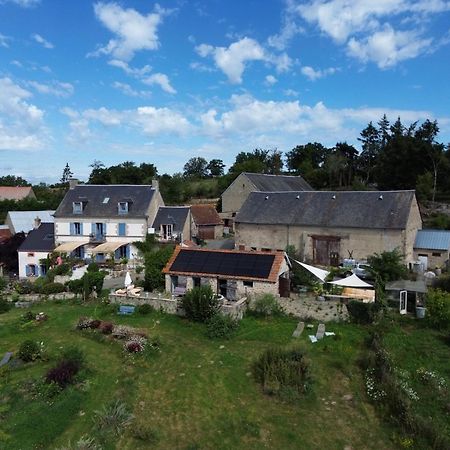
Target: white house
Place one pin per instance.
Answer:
(36, 247)
(94, 221)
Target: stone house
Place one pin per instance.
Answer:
(207, 222)
(94, 221)
(231, 273)
(16, 193)
(432, 248)
(239, 190)
(37, 246)
(174, 224)
(326, 227)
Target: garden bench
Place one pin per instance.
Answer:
(126, 310)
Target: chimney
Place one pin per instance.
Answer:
(155, 185)
(37, 222)
(73, 182)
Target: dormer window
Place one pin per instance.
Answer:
(77, 207)
(123, 207)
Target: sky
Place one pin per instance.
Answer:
(163, 82)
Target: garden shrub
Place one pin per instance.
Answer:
(106, 327)
(5, 306)
(63, 374)
(113, 417)
(221, 326)
(75, 286)
(29, 351)
(388, 266)
(93, 267)
(438, 308)
(3, 283)
(266, 305)
(135, 344)
(282, 372)
(52, 288)
(74, 355)
(123, 331)
(442, 283)
(27, 317)
(200, 304)
(145, 309)
(24, 287)
(362, 313)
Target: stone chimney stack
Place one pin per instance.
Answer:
(37, 223)
(73, 182)
(155, 185)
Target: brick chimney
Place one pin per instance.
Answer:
(37, 223)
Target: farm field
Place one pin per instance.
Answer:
(196, 393)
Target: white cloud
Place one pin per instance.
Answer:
(4, 40)
(232, 60)
(133, 31)
(40, 40)
(161, 80)
(291, 93)
(387, 47)
(21, 123)
(289, 28)
(133, 71)
(56, 88)
(365, 26)
(23, 3)
(128, 90)
(270, 80)
(155, 121)
(314, 75)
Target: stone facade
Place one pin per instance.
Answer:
(236, 194)
(362, 242)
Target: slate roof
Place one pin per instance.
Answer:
(93, 197)
(24, 220)
(15, 192)
(277, 183)
(41, 239)
(346, 209)
(175, 215)
(433, 240)
(229, 264)
(205, 215)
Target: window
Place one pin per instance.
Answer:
(166, 231)
(77, 207)
(436, 254)
(248, 284)
(30, 255)
(76, 229)
(123, 207)
(122, 229)
(78, 252)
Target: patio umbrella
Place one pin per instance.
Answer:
(128, 280)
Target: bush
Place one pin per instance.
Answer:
(200, 304)
(388, 266)
(93, 267)
(75, 286)
(145, 309)
(52, 288)
(442, 283)
(362, 313)
(113, 417)
(438, 308)
(5, 306)
(63, 374)
(106, 327)
(29, 351)
(3, 283)
(221, 326)
(282, 372)
(29, 316)
(266, 305)
(74, 355)
(24, 287)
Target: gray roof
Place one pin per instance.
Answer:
(24, 220)
(407, 285)
(345, 209)
(175, 215)
(433, 239)
(274, 183)
(41, 239)
(94, 200)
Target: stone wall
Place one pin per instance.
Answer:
(35, 298)
(168, 305)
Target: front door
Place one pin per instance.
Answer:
(403, 302)
(326, 250)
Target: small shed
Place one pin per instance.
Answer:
(432, 248)
(207, 221)
(231, 273)
(408, 293)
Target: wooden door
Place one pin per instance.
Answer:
(326, 250)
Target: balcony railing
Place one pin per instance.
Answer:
(97, 238)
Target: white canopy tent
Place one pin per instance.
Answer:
(321, 274)
(352, 281)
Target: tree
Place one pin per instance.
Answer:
(215, 168)
(275, 162)
(254, 162)
(196, 167)
(12, 180)
(371, 146)
(384, 130)
(66, 175)
(388, 266)
(200, 304)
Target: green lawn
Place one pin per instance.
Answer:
(196, 394)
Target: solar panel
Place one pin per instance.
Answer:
(223, 263)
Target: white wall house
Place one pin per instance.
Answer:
(36, 247)
(95, 221)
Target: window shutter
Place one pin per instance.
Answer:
(27, 270)
(81, 228)
(122, 229)
(93, 228)
(72, 228)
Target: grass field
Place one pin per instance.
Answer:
(196, 393)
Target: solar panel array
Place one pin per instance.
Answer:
(223, 263)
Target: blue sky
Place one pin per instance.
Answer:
(163, 82)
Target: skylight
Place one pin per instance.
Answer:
(105, 200)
